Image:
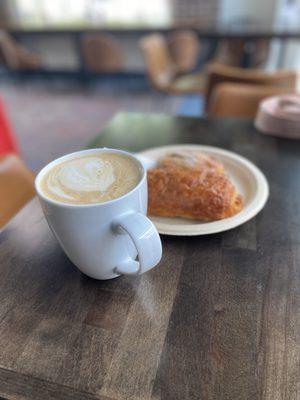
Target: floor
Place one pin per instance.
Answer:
(46, 113)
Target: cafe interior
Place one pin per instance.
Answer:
(68, 66)
(218, 318)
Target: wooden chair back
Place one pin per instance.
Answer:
(16, 186)
(218, 73)
(240, 100)
(159, 65)
(184, 49)
(15, 56)
(101, 53)
(8, 51)
(232, 52)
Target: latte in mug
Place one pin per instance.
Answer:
(91, 178)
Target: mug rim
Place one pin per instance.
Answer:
(47, 167)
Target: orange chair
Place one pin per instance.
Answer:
(7, 141)
(16, 187)
(163, 72)
(219, 73)
(240, 100)
(101, 53)
(184, 50)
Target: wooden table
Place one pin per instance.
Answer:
(219, 318)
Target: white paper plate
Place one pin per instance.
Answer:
(248, 179)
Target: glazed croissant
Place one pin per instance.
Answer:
(192, 185)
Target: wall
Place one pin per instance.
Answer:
(288, 15)
(7, 11)
(202, 12)
(235, 9)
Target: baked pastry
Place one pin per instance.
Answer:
(190, 159)
(198, 189)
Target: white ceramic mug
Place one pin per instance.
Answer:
(104, 239)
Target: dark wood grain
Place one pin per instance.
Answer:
(218, 319)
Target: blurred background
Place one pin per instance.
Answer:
(67, 66)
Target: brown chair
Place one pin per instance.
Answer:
(232, 52)
(16, 186)
(218, 73)
(101, 53)
(240, 100)
(162, 71)
(15, 56)
(184, 50)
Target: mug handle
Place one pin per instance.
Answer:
(146, 241)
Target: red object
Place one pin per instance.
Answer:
(7, 141)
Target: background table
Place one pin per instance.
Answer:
(219, 318)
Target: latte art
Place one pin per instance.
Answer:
(83, 175)
(92, 178)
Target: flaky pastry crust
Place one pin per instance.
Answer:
(197, 191)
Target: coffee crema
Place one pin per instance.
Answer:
(91, 178)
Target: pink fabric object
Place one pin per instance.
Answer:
(280, 116)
